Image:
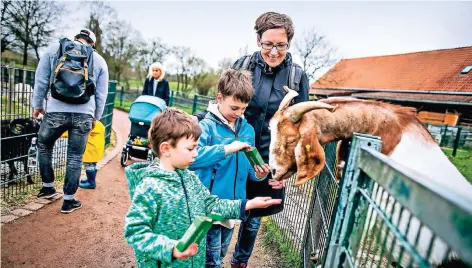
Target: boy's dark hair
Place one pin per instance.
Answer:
(274, 20)
(236, 83)
(172, 125)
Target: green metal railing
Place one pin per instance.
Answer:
(304, 222)
(190, 103)
(387, 216)
(458, 137)
(107, 116)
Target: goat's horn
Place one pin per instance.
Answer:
(288, 98)
(295, 112)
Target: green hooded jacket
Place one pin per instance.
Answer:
(164, 204)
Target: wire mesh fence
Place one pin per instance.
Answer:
(304, 222)
(18, 128)
(382, 219)
(17, 131)
(451, 137)
(186, 101)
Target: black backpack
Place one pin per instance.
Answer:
(72, 81)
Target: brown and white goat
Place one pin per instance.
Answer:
(298, 133)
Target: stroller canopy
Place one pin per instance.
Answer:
(145, 108)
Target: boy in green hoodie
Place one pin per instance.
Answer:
(166, 196)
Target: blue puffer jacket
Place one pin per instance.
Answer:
(225, 176)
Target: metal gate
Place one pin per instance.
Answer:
(389, 216)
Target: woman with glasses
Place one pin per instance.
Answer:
(271, 68)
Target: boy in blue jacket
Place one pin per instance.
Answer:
(221, 164)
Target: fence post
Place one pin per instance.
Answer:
(443, 136)
(171, 101)
(121, 96)
(107, 116)
(348, 183)
(456, 142)
(194, 105)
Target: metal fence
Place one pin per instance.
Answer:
(304, 222)
(389, 217)
(190, 103)
(17, 131)
(18, 128)
(185, 101)
(451, 137)
(107, 116)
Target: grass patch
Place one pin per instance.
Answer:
(274, 237)
(122, 105)
(463, 161)
(16, 107)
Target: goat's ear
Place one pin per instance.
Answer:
(310, 157)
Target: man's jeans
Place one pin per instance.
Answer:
(246, 239)
(218, 239)
(52, 127)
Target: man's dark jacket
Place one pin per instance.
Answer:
(268, 93)
(162, 89)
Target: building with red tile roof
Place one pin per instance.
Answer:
(434, 81)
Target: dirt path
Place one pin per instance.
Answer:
(91, 236)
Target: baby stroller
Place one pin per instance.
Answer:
(141, 113)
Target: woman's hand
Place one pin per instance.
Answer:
(262, 202)
(261, 171)
(191, 251)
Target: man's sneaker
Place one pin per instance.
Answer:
(47, 192)
(70, 205)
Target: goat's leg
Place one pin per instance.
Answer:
(13, 172)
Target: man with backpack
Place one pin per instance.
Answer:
(73, 78)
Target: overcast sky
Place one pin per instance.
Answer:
(214, 30)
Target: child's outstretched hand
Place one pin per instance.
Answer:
(191, 251)
(277, 184)
(236, 146)
(262, 202)
(261, 171)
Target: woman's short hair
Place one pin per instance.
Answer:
(156, 65)
(274, 20)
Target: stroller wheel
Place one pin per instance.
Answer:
(124, 158)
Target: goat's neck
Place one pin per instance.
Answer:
(345, 121)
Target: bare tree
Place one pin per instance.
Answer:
(32, 23)
(152, 51)
(101, 14)
(225, 64)
(120, 46)
(315, 52)
(182, 55)
(7, 35)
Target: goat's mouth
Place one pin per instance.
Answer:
(279, 176)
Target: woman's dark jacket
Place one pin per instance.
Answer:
(268, 93)
(162, 89)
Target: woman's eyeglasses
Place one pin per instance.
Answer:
(269, 46)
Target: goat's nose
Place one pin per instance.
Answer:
(273, 171)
